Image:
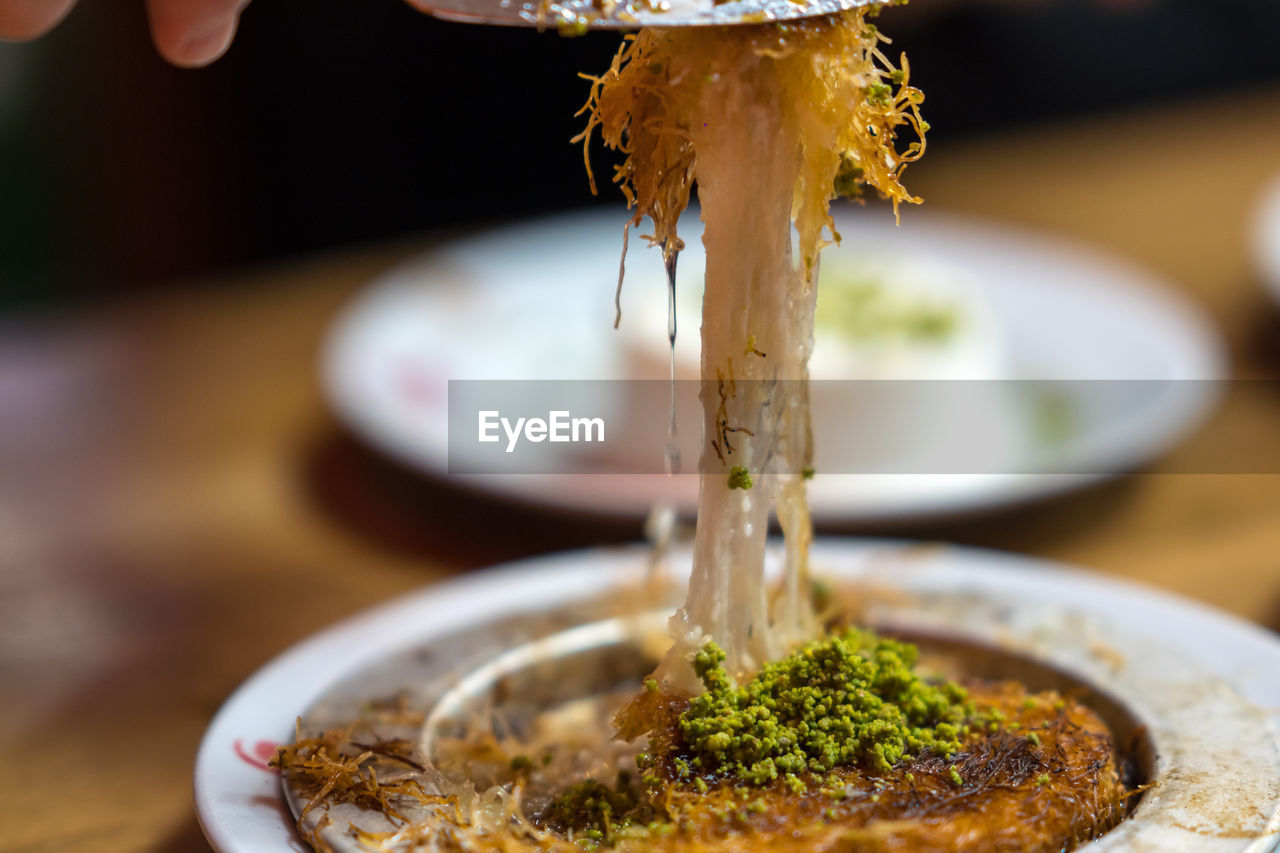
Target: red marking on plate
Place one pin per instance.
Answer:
(421, 385)
(257, 756)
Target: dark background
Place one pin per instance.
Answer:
(337, 121)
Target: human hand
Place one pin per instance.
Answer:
(192, 33)
(189, 33)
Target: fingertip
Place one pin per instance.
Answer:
(421, 5)
(22, 20)
(193, 33)
(200, 47)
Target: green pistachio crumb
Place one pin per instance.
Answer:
(849, 177)
(739, 477)
(572, 27)
(850, 699)
(590, 809)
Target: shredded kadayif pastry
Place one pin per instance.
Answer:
(1013, 772)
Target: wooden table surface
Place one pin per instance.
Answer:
(176, 506)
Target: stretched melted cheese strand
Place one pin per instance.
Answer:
(757, 325)
(769, 121)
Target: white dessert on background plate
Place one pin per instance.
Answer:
(892, 318)
(915, 335)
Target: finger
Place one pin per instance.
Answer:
(26, 19)
(420, 5)
(192, 33)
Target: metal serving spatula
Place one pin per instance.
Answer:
(581, 15)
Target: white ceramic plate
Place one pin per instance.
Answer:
(1266, 238)
(536, 302)
(1184, 668)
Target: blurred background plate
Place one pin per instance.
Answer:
(1267, 238)
(536, 301)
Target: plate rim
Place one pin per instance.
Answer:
(1266, 238)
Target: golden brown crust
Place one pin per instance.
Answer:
(1047, 780)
